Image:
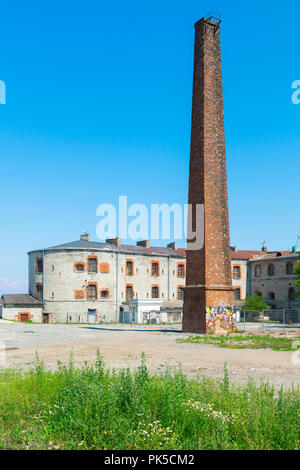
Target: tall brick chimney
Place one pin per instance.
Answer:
(208, 269)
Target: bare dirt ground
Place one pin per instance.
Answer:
(123, 345)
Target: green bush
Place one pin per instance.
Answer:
(97, 408)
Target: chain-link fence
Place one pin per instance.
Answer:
(273, 318)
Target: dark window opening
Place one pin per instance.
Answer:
(39, 266)
(155, 292)
(292, 294)
(104, 294)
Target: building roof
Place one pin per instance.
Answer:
(152, 250)
(278, 257)
(98, 246)
(245, 254)
(19, 299)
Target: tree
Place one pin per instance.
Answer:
(255, 302)
(297, 271)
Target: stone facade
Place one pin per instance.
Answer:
(121, 273)
(209, 280)
(273, 278)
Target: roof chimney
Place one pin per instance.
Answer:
(144, 243)
(172, 245)
(85, 236)
(114, 241)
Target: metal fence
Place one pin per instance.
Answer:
(273, 318)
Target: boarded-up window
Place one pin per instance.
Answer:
(104, 268)
(79, 294)
(92, 265)
(92, 292)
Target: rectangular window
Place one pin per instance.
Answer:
(155, 292)
(155, 269)
(257, 270)
(237, 294)
(180, 293)
(39, 265)
(39, 291)
(129, 268)
(180, 270)
(92, 292)
(92, 265)
(236, 272)
(129, 292)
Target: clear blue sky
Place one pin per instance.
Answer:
(99, 105)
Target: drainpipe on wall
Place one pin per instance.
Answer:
(249, 280)
(168, 277)
(117, 285)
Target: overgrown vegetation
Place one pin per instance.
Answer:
(95, 408)
(250, 341)
(255, 303)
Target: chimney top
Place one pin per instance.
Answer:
(172, 245)
(85, 236)
(114, 241)
(144, 243)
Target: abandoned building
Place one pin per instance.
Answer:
(86, 281)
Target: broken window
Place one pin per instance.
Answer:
(92, 292)
(104, 294)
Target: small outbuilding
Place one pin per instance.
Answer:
(21, 307)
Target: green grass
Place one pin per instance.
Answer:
(97, 408)
(251, 341)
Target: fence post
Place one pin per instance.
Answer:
(263, 319)
(283, 319)
(244, 320)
